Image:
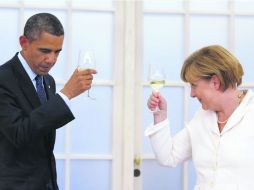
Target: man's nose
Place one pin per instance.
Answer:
(51, 57)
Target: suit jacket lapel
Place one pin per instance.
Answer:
(48, 87)
(50, 91)
(25, 83)
(30, 93)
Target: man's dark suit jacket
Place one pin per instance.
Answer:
(27, 129)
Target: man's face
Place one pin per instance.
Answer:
(41, 54)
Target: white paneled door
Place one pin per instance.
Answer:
(105, 144)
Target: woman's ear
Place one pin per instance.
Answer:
(215, 81)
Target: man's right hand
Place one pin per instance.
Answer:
(79, 82)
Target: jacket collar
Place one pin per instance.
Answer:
(26, 84)
(235, 118)
(239, 112)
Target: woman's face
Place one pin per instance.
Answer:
(205, 91)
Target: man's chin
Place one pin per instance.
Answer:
(43, 72)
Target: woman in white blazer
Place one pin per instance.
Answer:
(220, 137)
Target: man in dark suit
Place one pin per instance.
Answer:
(31, 112)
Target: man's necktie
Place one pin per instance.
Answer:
(40, 90)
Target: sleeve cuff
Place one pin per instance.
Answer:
(155, 128)
(65, 98)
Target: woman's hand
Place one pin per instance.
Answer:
(154, 101)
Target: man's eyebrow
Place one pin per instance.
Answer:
(45, 49)
(49, 50)
(58, 50)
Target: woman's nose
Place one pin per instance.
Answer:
(192, 93)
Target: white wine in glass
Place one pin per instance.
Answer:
(86, 60)
(156, 78)
(157, 84)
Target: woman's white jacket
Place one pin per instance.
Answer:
(223, 160)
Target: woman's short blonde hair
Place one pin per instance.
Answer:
(213, 60)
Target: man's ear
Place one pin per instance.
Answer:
(23, 41)
(215, 81)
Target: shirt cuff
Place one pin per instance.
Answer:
(155, 128)
(65, 98)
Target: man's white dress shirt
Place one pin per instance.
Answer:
(223, 161)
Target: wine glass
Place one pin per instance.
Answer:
(86, 60)
(156, 78)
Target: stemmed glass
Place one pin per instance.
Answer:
(156, 78)
(86, 60)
